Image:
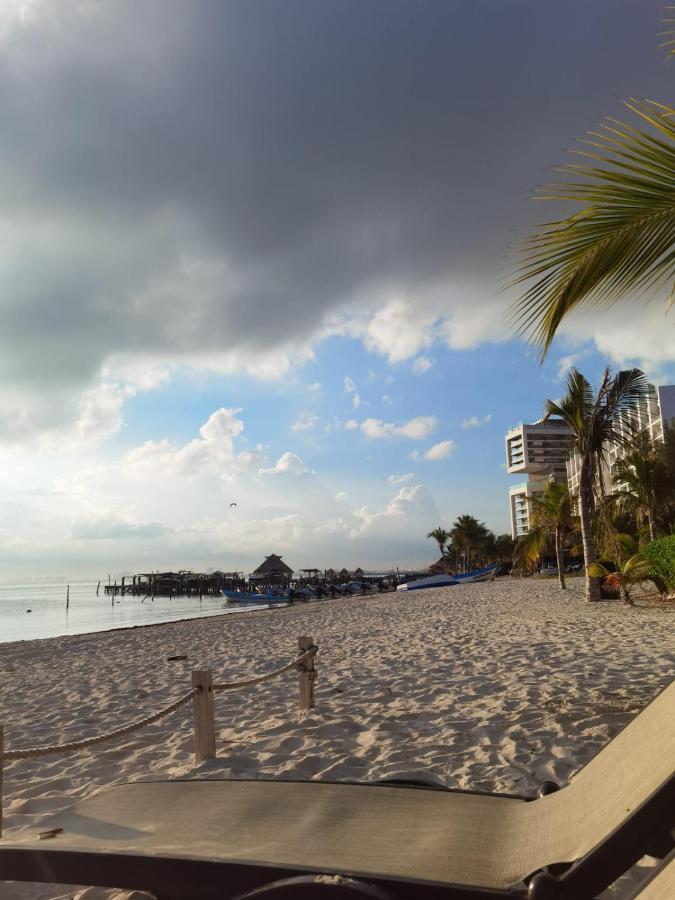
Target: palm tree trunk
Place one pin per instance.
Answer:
(650, 520)
(585, 506)
(559, 560)
(625, 596)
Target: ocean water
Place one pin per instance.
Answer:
(48, 616)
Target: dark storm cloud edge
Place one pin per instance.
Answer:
(223, 175)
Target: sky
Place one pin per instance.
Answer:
(254, 253)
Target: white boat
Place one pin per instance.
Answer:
(432, 581)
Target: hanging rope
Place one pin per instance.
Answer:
(35, 752)
(232, 685)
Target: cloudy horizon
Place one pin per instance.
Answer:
(254, 253)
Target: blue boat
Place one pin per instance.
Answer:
(433, 581)
(255, 599)
(487, 573)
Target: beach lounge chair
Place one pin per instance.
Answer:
(661, 883)
(223, 839)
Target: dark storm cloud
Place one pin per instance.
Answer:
(223, 174)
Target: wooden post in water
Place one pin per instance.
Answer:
(307, 673)
(98, 587)
(202, 716)
(67, 597)
(122, 588)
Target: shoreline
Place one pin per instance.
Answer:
(84, 634)
(233, 611)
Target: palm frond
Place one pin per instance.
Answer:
(623, 238)
(528, 547)
(669, 34)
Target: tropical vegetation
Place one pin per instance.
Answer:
(551, 521)
(597, 421)
(621, 521)
(469, 543)
(661, 556)
(632, 568)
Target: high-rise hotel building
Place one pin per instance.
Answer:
(650, 417)
(539, 450)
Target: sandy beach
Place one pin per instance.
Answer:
(495, 686)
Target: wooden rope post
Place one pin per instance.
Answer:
(307, 673)
(202, 716)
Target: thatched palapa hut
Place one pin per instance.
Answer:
(272, 571)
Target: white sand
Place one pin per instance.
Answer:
(496, 686)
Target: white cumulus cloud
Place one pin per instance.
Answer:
(305, 422)
(401, 479)
(100, 416)
(476, 422)
(422, 364)
(213, 452)
(416, 429)
(288, 464)
(441, 450)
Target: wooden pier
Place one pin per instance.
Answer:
(175, 584)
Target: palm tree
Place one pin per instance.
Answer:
(638, 476)
(468, 535)
(633, 568)
(441, 536)
(622, 239)
(594, 421)
(552, 512)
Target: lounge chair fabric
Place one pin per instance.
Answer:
(366, 830)
(661, 883)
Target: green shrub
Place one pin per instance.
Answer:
(661, 554)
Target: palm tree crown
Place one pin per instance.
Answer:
(469, 535)
(597, 421)
(551, 516)
(638, 477)
(441, 536)
(621, 241)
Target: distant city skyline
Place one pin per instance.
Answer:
(256, 253)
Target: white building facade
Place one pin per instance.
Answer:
(539, 450)
(650, 416)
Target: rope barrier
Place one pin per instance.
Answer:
(231, 685)
(35, 752)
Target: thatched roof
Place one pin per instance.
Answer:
(273, 565)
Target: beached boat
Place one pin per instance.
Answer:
(487, 573)
(433, 581)
(253, 598)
